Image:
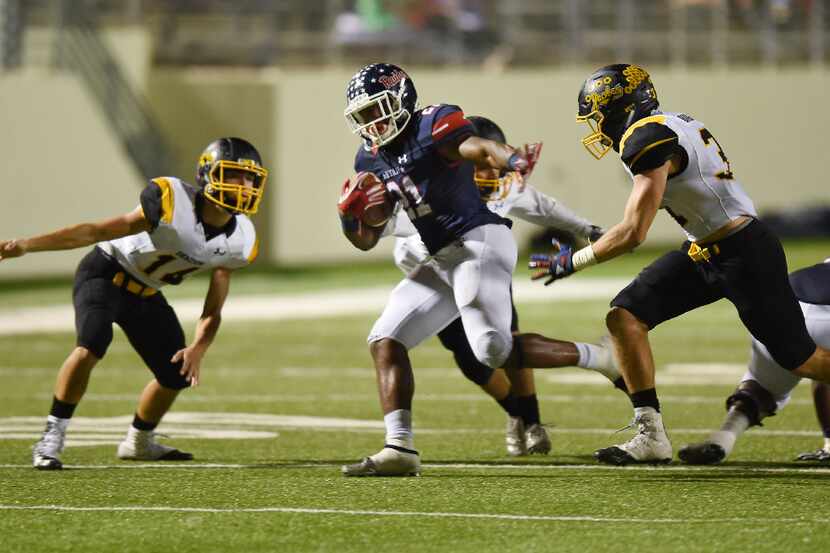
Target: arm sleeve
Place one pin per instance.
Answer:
(450, 126)
(649, 147)
(812, 285)
(151, 204)
(535, 207)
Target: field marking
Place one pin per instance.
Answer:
(422, 514)
(354, 512)
(183, 425)
(303, 306)
(676, 467)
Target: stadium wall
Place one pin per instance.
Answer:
(64, 165)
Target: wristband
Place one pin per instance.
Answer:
(584, 258)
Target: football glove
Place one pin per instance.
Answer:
(525, 158)
(554, 266)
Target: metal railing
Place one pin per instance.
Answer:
(472, 32)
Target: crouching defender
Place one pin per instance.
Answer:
(177, 230)
(766, 388)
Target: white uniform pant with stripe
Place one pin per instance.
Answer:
(773, 377)
(470, 277)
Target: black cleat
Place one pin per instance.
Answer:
(704, 453)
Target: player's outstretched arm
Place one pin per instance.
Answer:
(77, 236)
(640, 210)
(488, 153)
(536, 207)
(206, 328)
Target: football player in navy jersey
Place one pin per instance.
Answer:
(676, 164)
(766, 387)
(426, 157)
(177, 230)
(514, 390)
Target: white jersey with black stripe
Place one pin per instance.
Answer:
(178, 246)
(705, 195)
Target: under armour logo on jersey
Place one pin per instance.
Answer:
(219, 251)
(403, 159)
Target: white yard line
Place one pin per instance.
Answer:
(421, 514)
(353, 512)
(309, 305)
(676, 467)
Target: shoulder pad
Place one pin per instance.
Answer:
(157, 201)
(648, 144)
(444, 123)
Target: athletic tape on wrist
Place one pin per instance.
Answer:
(584, 258)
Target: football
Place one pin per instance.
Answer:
(366, 197)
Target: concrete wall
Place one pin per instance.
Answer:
(770, 124)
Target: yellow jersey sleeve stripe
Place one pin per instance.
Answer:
(254, 252)
(166, 199)
(661, 119)
(649, 147)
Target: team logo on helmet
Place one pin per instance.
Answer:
(380, 101)
(610, 100)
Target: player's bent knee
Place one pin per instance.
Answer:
(172, 380)
(386, 350)
(492, 348)
(621, 321)
(86, 355)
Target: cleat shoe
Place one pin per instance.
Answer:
(649, 445)
(46, 451)
(537, 440)
(704, 453)
(822, 455)
(389, 461)
(141, 445)
(515, 438)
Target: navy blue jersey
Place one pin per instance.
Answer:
(439, 195)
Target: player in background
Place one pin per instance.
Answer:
(506, 194)
(176, 231)
(766, 387)
(426, 158)
(676, 164)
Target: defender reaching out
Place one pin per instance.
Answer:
(176, 231)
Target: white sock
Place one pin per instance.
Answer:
(826, 444)
(597, 358)
(399, 428)
(62, 424)
(590, 356)
(733, 426)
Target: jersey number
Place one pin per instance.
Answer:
(170, 278)
(411, 197)
(707, 137)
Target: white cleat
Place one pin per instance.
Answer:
(390, 461)
(537, 440)
(45, 453)
(515, 438)
(141, 445)
(649, 445)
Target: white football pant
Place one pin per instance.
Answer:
(470, 277)
(773, 377)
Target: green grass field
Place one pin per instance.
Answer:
(284, 403)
